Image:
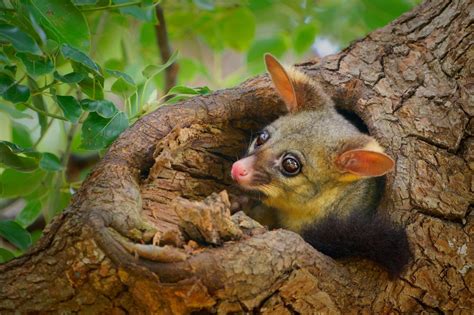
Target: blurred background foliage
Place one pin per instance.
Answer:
(74, 74)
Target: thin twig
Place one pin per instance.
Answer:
(44, 113)
(165, 50)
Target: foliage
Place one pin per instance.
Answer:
(74, 74)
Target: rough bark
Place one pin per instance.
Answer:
(412, 84)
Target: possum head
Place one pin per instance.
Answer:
(307, 157)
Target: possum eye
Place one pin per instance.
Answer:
(262, 137)
(291, 166)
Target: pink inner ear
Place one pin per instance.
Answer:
(365, 163)
(282, 82)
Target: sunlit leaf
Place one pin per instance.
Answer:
(70, 107)
(29, 213)
(14, 183)
(21, 135)
(99, 132)
(380, 12)
(152, 70)
(304, 37)
(179, 89)
(19, 39)
(276, 46)
(238, 28)
(123, 88)
(15, 234)
(61, 21)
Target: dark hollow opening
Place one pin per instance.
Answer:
(354, 119)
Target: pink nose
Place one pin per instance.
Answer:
(238, 171)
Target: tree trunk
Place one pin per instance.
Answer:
(412, 84)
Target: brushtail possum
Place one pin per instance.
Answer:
(323, 176)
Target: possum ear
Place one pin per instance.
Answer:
(282, 82)
(363, 163)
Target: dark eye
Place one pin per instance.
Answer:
(291, 165)
(262, 137)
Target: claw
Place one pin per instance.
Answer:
(165, 254)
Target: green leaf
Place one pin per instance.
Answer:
(304, 37)
(104, 108)
(142, 14)
(20, 40)
(94, 88)
(36, 235)
(78, 56)
(51, 46)
(61, 21)
(13, 112)
(50, 162)
(152, 70)
(5, 82)
(38, 102)
(29, 214)
(15, 234)
(21, 135)
(14, 183)
(238, 28)
(84, 2)
(203, 90)
(70, 107)
(99, 132)
(72, 77)
(275, 46)
(35, 65)
(123, 88)
(179, 89)
(17, 93)
(378, 13)
(5, 255)
(177, 98)
(120, 74)
(4, 59)
(9, 90)
(11, 156)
